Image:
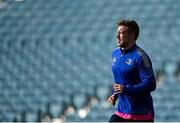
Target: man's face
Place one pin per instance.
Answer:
(123, 36)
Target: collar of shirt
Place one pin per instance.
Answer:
(124, 50)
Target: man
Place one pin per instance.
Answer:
(133, 76)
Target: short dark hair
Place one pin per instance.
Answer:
(132, 26)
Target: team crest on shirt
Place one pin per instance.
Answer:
(129, 61)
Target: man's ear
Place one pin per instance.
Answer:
(132, 36)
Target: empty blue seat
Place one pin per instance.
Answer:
(52, 50)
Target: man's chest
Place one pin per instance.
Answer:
(123, 64)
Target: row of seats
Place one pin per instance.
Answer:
(56, 55)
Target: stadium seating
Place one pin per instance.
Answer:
(56, 54)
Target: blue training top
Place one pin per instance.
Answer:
(133, 69)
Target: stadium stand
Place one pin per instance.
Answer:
(55, 62)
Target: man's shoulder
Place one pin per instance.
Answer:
(140, 52)
(143, 56)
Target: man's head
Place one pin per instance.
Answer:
(127, 33)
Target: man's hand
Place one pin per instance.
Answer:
(112, 99)
(118, 88)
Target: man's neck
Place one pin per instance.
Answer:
(128, 47)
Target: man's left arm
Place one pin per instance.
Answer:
(147, 80)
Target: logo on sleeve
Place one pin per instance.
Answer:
(114, 61)
(129, 61)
